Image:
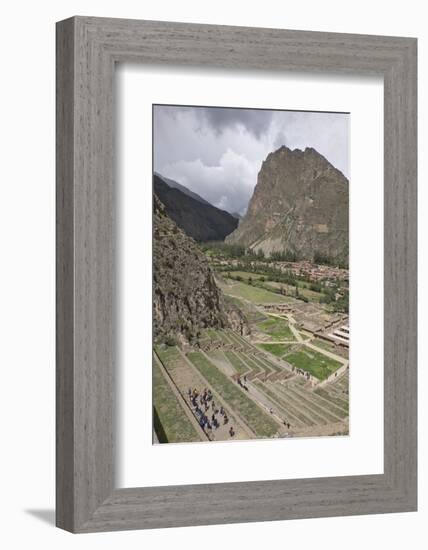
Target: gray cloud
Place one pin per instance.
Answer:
(255, 121)
(217, 152)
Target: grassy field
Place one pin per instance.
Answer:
(311, 295)
(313, 362)
(277, 329)
(244, 274)
(304, 289)
(171, 422)
(261, 424)
(276, 349)
(167, 353)
(253, 293)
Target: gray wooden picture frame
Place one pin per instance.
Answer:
(87, 50)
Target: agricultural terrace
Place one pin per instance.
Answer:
(170, 421)
(259, 422)
(315, 363)
(260, 392)
(279, 350)
(276, 328)
(273, 382)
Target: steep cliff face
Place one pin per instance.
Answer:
(300, 205)
(199, 220)
(186, 298)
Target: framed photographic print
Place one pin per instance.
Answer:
(253, 337)
(236, 274)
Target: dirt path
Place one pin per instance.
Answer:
(242, 431)
(202, 435)
(307, 343)
(274, 342)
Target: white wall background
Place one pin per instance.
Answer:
(27, 272)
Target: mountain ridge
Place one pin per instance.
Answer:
(176, 185)
(299, 205)
(202, 222)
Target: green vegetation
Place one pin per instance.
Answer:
(252, 293)
(337, 297)
(167, 353)
(213, 334)
(223, 336)
(300, 291)
(244, 275)
(327, 260)
(247, 360)
(220, 249)
(324, 345)
(284, 256)
(277, 328)
(236, 362)
(261, 424)
(272, 365)
(315, 363)
(342, 384)
(276, 349)
(172, 425)
(269, 278)
(256, 365)
(331, 396)
(238, 340)
(308, 400)
(245, 265)
(279, 399)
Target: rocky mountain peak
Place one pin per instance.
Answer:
(299, 205)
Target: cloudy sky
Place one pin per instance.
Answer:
(218, 152)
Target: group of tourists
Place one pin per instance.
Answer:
(243, 383)
(302, 372)
(209, 415)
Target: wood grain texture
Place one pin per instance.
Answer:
(87, 49)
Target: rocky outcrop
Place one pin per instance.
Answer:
(200, 220)
(300, 205)
(235, 318)
(186, 298)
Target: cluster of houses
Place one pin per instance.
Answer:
(304, 268)
(314, 272)
(333, 329)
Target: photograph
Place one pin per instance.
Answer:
(250, 274)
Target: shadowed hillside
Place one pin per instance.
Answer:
(202, 222)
